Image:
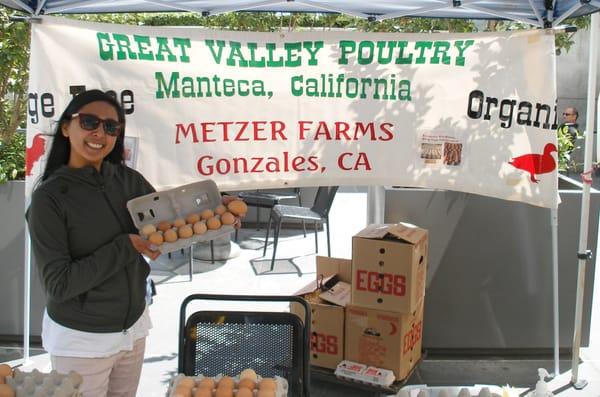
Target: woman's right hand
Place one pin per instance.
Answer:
(144, 247)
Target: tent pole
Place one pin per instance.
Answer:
(554, 224)
(584, 255)
(27, 298)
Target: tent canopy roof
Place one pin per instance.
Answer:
(539, 13)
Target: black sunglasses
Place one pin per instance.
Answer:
(90, 122)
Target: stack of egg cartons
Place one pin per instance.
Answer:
(38, 384)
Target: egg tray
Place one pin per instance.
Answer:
(280, 391)
(453, 391)
(178, 202)
(38, 384)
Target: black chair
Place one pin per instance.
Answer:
(227, 342)
(266, 199)
(318, 214)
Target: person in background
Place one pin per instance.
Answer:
(569, 127)
(88, 252)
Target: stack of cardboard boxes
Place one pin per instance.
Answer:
(382, 322)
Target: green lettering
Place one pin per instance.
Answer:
(216, 55)
(440, 48)
(402, 60)
(163, 47)
(346, 47)
(187, 87)
(313, 53)
(105, 47)
(236, 52)
(123, 47)
(381, 46)
(253, 63)
(368, 45)
(292, 49)
(143, 43)
(182, 44)
(422, 46)
(272, 63)
(171, 90)
(462, 46)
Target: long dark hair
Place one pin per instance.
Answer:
(61, 147)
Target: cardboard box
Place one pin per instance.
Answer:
(384, 339)
(327, 328)
(389, 265)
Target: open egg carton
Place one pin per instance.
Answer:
(38, 384)
(455, 391)
(182, 203)
(247, 384)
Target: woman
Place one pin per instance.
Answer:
(88, 252)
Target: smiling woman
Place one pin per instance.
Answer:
(88, 252)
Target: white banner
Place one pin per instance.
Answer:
(466, 112)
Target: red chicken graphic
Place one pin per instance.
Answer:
(536, 163)
(34, 152)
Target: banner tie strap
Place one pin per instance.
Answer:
(586, 177)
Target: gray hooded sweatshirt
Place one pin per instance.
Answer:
(95, 281)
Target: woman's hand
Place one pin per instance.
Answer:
(144, 247)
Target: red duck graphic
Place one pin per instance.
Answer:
(536, 163)
(34, 152)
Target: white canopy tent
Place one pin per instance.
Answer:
(537, 13)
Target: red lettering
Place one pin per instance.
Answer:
(385, 283)
(185, 131)
(360, 276)
(322, 343)
(303, 127)
(412, 337)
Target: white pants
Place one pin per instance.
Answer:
(114, 376)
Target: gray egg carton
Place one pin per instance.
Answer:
(38, 384)
(280, 391)
(178, 202)
(451, 391)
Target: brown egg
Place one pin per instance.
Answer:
(6, 391)
(148, 229)
(243, 392)
(206, 383)
(220, 209)
(203, 392)
(224, 392)
(156, 238)
(267, 384)
(247, 383)
(178, 222)
(185, 231)
(200, 227)
(238, 207)
(182, 391)
(248, 373)
(227, 218)
(170, 236)
(213, 223)
(164, 226)
(226, 381)
(5, 370)
(207, 213)
(186, 381)
(265, 393)
(192, 218)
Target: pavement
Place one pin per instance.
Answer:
(246, 274)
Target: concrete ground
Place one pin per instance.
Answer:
(245, 274)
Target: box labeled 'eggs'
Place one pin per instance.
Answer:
(384, 339)
(389, 264)
(182, 216)
(327, 319)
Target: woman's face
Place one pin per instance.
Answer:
(90, 147)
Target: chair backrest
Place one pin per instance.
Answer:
(324, 200)
(227, 342)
